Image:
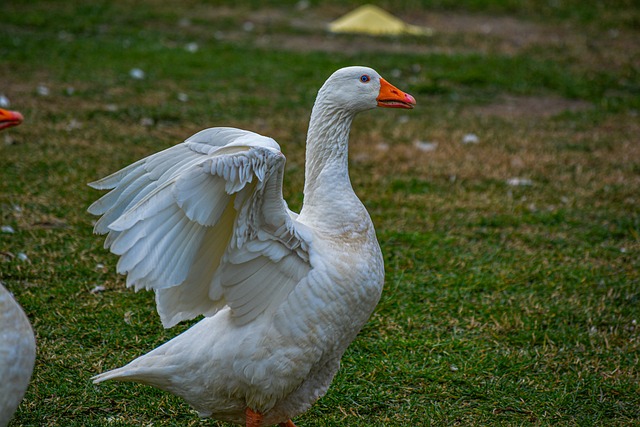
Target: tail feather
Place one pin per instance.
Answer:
(155, 376)
(166, 378)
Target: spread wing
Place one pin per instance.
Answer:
(204, 224)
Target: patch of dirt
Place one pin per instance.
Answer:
(530, 106)
(513, 32)
(348, 45)
(454, 33)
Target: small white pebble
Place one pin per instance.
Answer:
(248, 26)
(43, 90)
(192, 47)
(519, 182)
(453, 368)
(7, 229)
(634, 322)
(623, 250)
(4, 101)
(17, 208)
(470, 138)
(22, 256)
(425, 145)
(99, 266)
(97, 289)
(73, 125)
(183, 97)
(136, 73)
(147, 121)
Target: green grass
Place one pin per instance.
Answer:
(503, 305)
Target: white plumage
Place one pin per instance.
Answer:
(17, 355)
(17, 342)
(204, 224)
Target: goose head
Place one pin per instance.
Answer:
(9, 118)
(358, 89)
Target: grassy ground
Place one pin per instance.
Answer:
(504, 305)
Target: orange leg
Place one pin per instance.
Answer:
(254, 419)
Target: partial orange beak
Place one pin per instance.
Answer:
(9, 118)
(392, 97)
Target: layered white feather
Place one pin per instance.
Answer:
(204, 224)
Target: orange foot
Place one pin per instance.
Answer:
(254, 419)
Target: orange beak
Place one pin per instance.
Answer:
(392, 97)
(9, 118)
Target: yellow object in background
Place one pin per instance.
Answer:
(370, 19)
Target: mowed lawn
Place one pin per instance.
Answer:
(506, 204)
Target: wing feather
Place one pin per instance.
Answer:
(114, 203)
(204, 224)
(113, 180)
(249, 269)
(201, 196)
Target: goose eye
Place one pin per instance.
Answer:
(364, 78)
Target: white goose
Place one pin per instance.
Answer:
(17, 355)
(204, 224)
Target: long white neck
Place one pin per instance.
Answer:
(328, 195)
